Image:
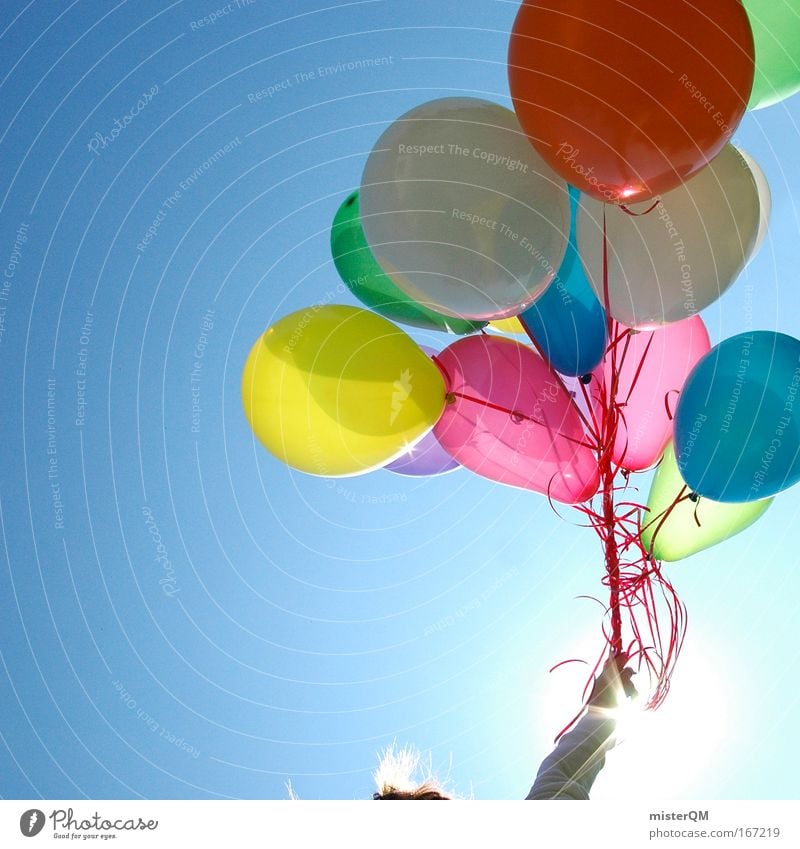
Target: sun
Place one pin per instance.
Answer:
(673, 752)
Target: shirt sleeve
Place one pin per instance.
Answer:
(569, 771)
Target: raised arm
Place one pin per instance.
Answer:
(570, 770)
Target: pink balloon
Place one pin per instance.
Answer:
(653, 366)
(511, 420)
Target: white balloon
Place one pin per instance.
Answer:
(668, 264)
(764, 199)
(461, 212)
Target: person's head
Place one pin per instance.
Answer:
(395, 777)
(424, 791)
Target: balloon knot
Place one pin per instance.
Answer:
(586, 379)
(693, 496)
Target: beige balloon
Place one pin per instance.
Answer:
(461, 212)
(764, 199)
(669, 263)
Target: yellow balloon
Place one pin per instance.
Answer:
(337, 390)
(508, 325)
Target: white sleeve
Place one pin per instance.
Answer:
(569, 771)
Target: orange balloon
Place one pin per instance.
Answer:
(626, 100)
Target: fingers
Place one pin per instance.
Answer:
(628, 686)
(614, 676)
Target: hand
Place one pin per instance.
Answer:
(613, 681)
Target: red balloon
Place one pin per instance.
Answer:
(626, 99)
(510, 419)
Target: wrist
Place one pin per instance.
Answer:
(600, 712)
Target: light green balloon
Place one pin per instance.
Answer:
(776, 32)
(678, 535)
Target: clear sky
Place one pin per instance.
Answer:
(184, 617)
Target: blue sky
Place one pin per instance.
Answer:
(185, 617)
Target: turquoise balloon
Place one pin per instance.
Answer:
(567, 322)
(359, 269)
(737, 423)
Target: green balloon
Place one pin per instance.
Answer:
(359, 269)
(678, 535)
(776, 32)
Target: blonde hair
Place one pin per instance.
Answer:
(396, 776)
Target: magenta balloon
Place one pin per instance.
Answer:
(535, 440)
(653, 366)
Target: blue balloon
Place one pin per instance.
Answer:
(567, 322)
(737, 423)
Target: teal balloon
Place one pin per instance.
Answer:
(359, 269)
(737, 422)
(567, 322)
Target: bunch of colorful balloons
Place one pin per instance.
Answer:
(599, 217)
